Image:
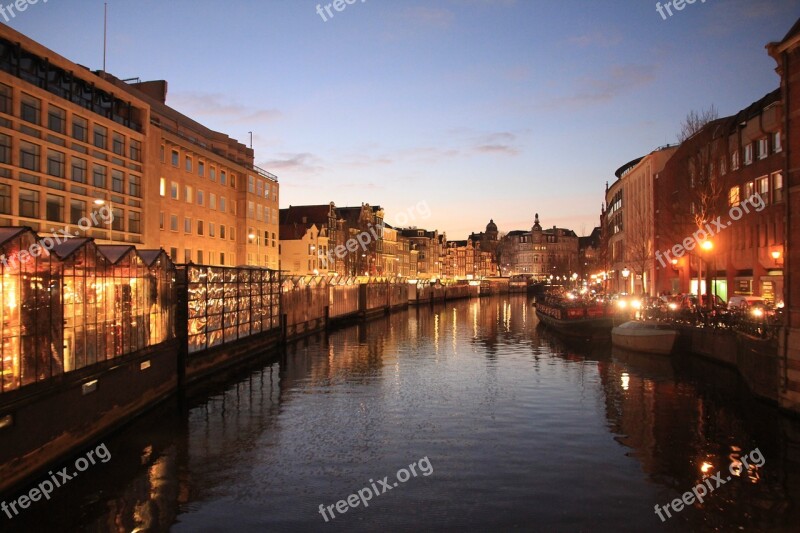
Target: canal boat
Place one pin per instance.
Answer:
(583, 320)
(645, 336)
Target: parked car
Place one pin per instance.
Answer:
(744, 302)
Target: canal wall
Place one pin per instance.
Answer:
(755, 359)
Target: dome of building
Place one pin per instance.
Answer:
(491, 227)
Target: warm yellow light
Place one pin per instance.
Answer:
(758, 312)
(636, 304)
(99, 202)
(706, 467)
(776, 255)
(626, 380)
(707, 245)
(622, 304)
(674, 262)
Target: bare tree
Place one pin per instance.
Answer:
(695, 120)
(639, 241)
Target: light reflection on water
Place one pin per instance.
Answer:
(523, 432)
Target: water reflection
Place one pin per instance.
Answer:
(524, 432)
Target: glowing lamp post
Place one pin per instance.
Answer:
(625, 275)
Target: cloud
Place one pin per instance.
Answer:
(621, 78)
(429, 16)
(218, 106)
(304, 163)
(598, 39)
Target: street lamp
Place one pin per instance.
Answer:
(257, 238)
(625, 274)
(707, 246)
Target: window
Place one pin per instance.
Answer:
(222, 258)
(776, 142)
(100, 139)
(259, 212)
(173, 222)
(78, 170)
(212, 200)
(722, 166)
(232, 233)
(134, 222)
(175, 158)
(161, 220)
(173, 190)
(733, 196)
(80, 128)
(201, 168)
(6, 99)
(211, 230)
(187, 255)
(251, 210)
(5, 149)
(56, 162)
(223, 178)
(162, 187)
(735, 160)
(136, 150)
(118, 220)
(118, 144)
(5, 198)
(748, 154)
(188, 164)
(173, 254)
(188, 193)
(200, 227)
(212, 174)
(135, 185)
(777, 187)
(222, 204)
(187, 225)
(749, 188)
(763, 148)
(77, 210)
(200, 256)
(200, 197)
(55, 208)
(762, 188)
(29, 109)
(233, 181)
(29, 156)
(28, 203)
(99, 176)
(56, 119)
(221, 231)
(118, 181)
(251, 184)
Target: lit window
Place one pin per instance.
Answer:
(733, 196)
(776, 142)
(162, 187)
(748, 154)
(777, 187)
(735, 160)
(763, 148)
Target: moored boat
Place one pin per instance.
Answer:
(585, 320)
(646, 337)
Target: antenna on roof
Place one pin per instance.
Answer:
(105, 33)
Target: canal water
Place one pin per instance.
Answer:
(507, 428)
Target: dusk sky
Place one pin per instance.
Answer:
(482, 108)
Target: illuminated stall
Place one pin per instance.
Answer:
(30, 311)
(77, 304)
(228, 304)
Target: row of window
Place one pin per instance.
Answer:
(31, 110)
(757, 150)
(190, 197)
(188, 166)
(29, 204)
(769, 188)
(56, 166)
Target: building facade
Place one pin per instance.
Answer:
(539, 253)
